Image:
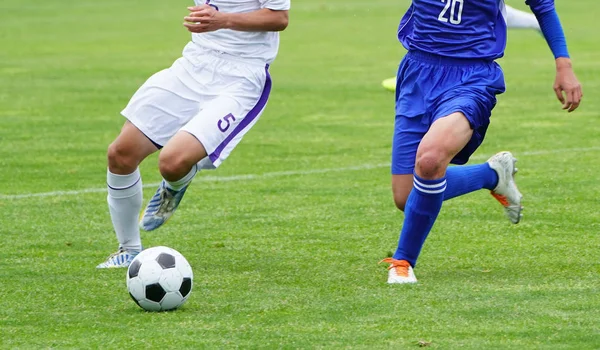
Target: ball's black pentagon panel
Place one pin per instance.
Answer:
(134, 268)
(166, 261)
(155, 292)
(186, 286)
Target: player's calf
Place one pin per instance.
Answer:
(166, 200)
(177, 163)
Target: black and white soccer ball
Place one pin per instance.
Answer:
(159, 279)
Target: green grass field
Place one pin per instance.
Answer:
(285, 237)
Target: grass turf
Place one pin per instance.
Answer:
(287, 258)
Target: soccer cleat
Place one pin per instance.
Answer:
(400, 271)
(161, 207)
(506, 191)
(122, 258)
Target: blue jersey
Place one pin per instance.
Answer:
(459, 28)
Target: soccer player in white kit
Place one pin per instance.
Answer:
(196, 111)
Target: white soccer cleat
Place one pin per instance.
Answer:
(121, 259)
(161, 207)
(399, 271)
(506, 192)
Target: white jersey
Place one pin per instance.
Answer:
(257, 46)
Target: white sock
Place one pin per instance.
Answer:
(125, 203)
(181, 183)
(520, 19)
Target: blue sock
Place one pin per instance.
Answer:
(422, 208)
(464, 179)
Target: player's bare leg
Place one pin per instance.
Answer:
(433, 178)
(401, 187)
(446, 137)
(178, 166)
(124, 198)
(505, 190)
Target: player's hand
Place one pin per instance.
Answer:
(566, 86)
(204, 18)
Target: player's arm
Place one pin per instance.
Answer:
(566, 82)
(206, 18)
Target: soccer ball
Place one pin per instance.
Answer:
(159, 279)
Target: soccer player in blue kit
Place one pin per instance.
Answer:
(514, 19)
(446, 89)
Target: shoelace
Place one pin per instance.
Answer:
(114, 255)
(400, 266)
(121, 250)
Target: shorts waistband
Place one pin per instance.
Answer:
(226, 56)
(443, 60)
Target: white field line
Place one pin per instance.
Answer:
(277, 174)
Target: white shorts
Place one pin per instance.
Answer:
(213, 96)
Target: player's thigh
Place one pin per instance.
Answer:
(222, 123)
(446, 137)
(165, 103)
(181, 152)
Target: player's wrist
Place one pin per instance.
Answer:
(563, 62)
(227, 20)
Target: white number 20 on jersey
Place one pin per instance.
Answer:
(455, 15)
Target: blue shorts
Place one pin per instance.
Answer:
(430, 87)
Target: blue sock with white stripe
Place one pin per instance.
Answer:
(464, 179)
(422, 208)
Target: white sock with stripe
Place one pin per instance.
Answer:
(124, 204)
(181, 183)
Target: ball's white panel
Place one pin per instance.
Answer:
(171, 301)
(170, 280)
(149, 305)
(160, 249)
(171, 251)
(147, 254)
(136, 288)
(182, 265)
(150, 272)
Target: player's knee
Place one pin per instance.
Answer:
(121, 160)
(173, 166)
(430, 164)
